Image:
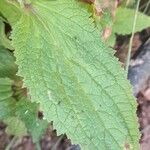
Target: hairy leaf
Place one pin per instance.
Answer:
(10, 10)
(74, 76)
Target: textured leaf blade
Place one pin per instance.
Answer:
(78, 83)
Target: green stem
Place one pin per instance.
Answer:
(145, 10)
(127, 2)
(55, 147)
(131, 39)
(11, 143)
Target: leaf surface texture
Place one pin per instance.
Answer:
(76, 79)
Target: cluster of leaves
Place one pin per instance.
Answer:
(68, 70)
(17, 111)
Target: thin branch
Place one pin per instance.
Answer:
(147, 6)
(11, 143)
(132, 36)
(127, 2)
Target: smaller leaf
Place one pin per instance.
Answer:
(19, 114)
(10, 10)
(124, 23)
(28, 113)
(15, 127)
(6, 100)
(8, 68)
(125, 18)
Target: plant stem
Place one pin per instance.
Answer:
(146, 8)
(127, 2)
(132, 36)
(57, 143)
(11, 143)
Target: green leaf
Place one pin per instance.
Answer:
(13, 104)
(4, 41)
(76, 79)
(6, 100)
(15, 127)
(28, 113)
(8, 68)
(10, 10)
(124, 23)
